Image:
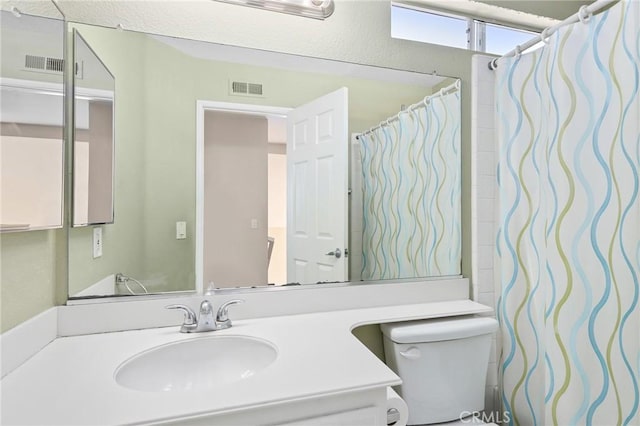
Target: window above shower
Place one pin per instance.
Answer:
(453, 30)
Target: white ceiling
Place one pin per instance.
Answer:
(556, 9)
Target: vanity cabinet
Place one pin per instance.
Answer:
(361, 416)
(357, 408)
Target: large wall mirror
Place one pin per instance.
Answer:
(31, 128)
(216, 180)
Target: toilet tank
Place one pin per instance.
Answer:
(442, 363)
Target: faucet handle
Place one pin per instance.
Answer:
(206, 308)
(190, 318)
(222, 318)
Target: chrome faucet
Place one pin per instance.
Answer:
(206, 321)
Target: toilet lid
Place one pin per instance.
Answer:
(440, 329)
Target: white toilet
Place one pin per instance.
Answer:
(442, 364)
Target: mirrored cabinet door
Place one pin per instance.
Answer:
(93, 142)
(32, 119)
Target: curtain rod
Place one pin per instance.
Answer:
(425, 101)
(583, 14)
(491, 13)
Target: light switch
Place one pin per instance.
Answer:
(97, 242)
(181, 230)
(254, 223)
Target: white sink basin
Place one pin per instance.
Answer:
(199, 363)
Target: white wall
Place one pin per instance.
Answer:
(277, 165)
(355, 212)
(277, 200)
(31, 181)
(101, 146)
(483, 201)
(81, 182)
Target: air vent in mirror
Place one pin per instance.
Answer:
(35, 62)
(255, 89)
(55, 64)
(48, 65)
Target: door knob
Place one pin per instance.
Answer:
(337, 253)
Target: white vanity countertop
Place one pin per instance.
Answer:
(71, 381)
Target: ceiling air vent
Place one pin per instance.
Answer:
(246, 89)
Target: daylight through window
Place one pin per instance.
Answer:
(455, 31)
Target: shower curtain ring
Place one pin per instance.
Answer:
(518, 50)
(583, 14)
(544, 36)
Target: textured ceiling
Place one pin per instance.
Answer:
(557, 9)
(138, 12)
(32, 7)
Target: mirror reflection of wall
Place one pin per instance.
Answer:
(31, 128)
(158, 82)
(235, 198)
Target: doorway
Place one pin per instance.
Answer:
(231, 229)
(232, 184)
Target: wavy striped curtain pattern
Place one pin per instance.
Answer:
(411, 193)
(569, 240)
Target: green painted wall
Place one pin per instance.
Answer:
(28, 267)
(123, 244)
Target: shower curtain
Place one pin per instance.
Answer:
(569, 239)
(411, 192)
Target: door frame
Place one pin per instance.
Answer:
(201, 107)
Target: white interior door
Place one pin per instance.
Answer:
(317, 192)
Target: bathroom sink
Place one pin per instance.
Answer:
(196, 364)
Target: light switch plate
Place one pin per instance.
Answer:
(97, 242)
(181, 230)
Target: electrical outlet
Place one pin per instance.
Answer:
(97, 242)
